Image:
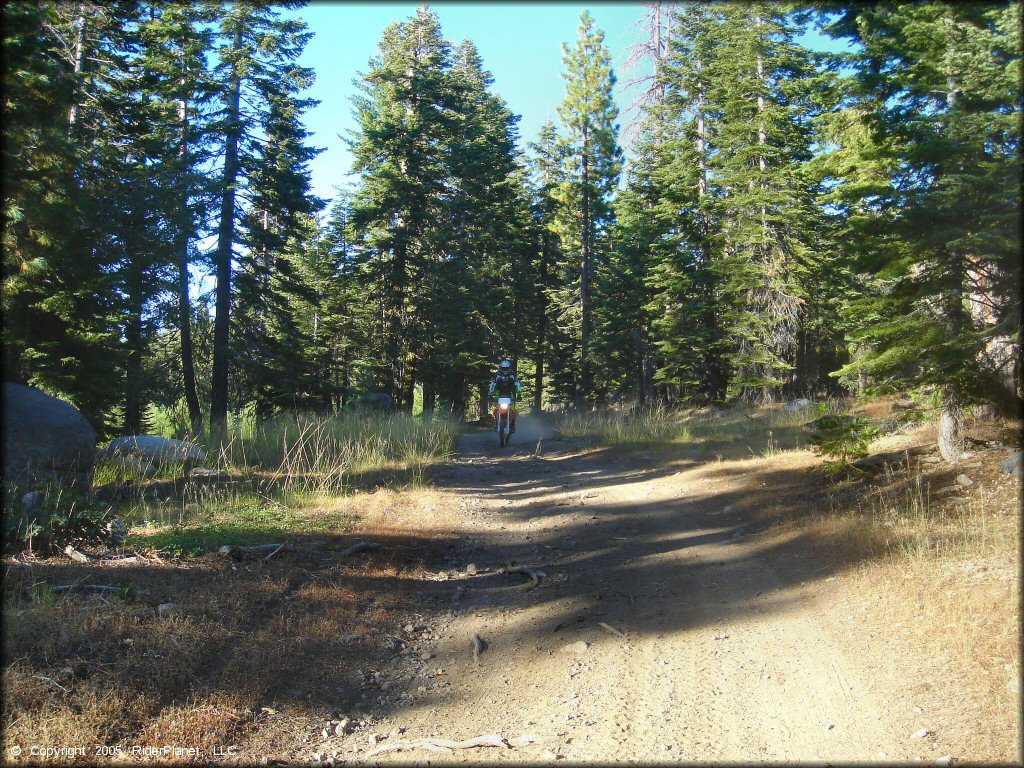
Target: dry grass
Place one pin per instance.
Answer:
(289, 635)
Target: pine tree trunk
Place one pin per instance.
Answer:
(429, 395)
(408, 390)
(225, 240)
(133, 370)
(485, 406)
(188, 373)
(951, 421)
(583, 393)
(542, 325)
(78, 62)
(951, 432)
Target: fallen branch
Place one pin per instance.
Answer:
(440, 745)
(282, 546)
(610, 629)
(93, 587)
(362, 546)
(236, 552)
(478, 647)
(535, 576)
(52, 682)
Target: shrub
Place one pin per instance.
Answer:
(842, 438)
(62, 517)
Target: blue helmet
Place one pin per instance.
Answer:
(505, 366)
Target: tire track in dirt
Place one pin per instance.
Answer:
(723, 659)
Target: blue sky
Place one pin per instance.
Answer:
(520, 44)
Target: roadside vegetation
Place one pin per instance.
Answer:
(252, 486)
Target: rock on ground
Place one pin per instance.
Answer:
(798, 405)
(158, 449)
(1014, 465)
(45, 438)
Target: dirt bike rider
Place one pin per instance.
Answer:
(506, 384)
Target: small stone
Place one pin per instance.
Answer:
(918, 710)
(830, 726)
(325, 735)
(580, 646)
(409, 628)
(550, 756)
(945, 760)
(343, 727)
(375, 738)
(426, 655)
(920, 734)
(167, 610)
(471, 569)
(964, 481)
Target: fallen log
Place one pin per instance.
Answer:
(91, 587)
(362, 546)
(75, 555)
(440, 745)
(236, 552)
(282, 546)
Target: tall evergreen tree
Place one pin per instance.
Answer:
(942, 82)
(594, 157)
(760, 83)
(404, 121)
(257, 62)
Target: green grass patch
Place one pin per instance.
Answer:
(246, 518)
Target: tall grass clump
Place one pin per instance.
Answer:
(316, 453)
(622, 428)
(903, 518)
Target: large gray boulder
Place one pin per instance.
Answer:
(155, 450)
(799, 404)
(45, 439)
(1014, 465)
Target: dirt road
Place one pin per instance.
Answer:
(732, 647)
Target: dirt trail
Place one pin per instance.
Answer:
(733, 650)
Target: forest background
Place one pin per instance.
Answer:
(790, 222)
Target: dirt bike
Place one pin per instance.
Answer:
(504, 420)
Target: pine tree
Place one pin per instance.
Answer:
(404, 121)
(177, 39)
(545, 166)
(942, 82)
(269, 344)
(257, 58)
(759, 86)
(588, 114)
